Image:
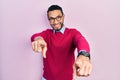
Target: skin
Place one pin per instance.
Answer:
(56, 25)
(82, 66)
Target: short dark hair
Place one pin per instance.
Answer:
(54, 7)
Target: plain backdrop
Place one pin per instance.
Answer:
(97, 20)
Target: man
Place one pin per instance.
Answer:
(58, 45)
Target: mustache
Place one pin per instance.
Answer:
(58, 29)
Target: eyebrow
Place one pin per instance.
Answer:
(56, 16)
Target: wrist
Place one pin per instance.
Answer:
(84, 53)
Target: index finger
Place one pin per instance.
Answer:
(74, 72)
(44, 52)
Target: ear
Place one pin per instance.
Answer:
(63, 16)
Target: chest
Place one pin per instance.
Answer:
(60, 41)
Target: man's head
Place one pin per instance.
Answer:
(55, 16)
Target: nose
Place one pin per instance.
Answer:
(55, 21)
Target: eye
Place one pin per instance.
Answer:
(58, 18)
(51, 18)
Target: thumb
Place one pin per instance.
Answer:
(44, 51)
(74, 72)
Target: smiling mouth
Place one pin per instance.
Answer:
(57, 25)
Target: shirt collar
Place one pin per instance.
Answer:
(62, 30)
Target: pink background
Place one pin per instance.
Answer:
(98, 21)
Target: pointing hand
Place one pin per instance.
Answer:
(39, 45)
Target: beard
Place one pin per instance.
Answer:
(58, 29)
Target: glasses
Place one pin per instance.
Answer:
(58, 18)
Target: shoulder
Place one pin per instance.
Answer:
(73, 30)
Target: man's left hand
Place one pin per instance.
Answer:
(82, 67)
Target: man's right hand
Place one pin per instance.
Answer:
(39, 45)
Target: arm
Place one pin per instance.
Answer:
(82, 65)
(38, 42)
